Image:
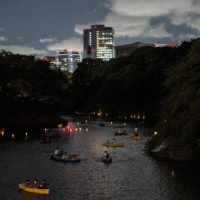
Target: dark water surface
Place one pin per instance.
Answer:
(132, 174)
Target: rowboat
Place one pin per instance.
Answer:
(58, 158)
(136, 137)
(23, 186)
(106, 160)
(122, 133)
(113, 144)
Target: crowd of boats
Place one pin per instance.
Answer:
(61, 156)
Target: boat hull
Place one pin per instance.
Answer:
(33, 190)
(53, 155)
(57, 158)
(106, 160)
(113, 145)
(117, 134)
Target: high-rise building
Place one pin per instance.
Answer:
(99, 42)
(67, 60)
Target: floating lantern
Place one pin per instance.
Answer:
(70, 130)
(63, 129)
(45, 130)
(110, 122)
(76, 129)
(124, 124)
(13, 136)
(26, 134)
(86, 129)
(2, 133)
(79, 129)
(155, 133)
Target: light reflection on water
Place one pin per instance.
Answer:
(131, 175)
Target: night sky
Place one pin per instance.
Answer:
(41, 27)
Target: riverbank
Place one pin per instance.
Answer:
(28, 118)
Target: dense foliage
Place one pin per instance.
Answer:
(31, 93)
(158, 83)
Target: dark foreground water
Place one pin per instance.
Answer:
(132, 174)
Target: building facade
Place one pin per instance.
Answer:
(67, 60)
(127, 49)
(99, 42)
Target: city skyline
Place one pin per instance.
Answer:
(43, 27)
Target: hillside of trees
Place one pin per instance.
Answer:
(31, 93)
(161, 84)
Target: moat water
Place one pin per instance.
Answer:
(132, 175)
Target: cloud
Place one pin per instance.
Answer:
(3, 38)
(2, 28)
(19, 38)
(187, 36)
(71, 43)
(48, 40)
(134, 19)
(25, 50)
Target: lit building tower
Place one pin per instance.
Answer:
(67, 60)
(99, 42)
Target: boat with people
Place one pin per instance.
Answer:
(121, 133)
(136, 137)
(113, 144)
(106, 160)
(22, 186)
(72, 159)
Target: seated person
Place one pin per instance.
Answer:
(27, 183)
(74, 157)
(106, 155)
(44, 184)
(135, 134)
(114, 141)
(36, 185)
(60, 152)
(107, 142)
(65, 155)
(56, 151)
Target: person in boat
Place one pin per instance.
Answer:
(60, 152)
(120, 131)
(28, 183)
(36, 185)
(114, 141)
(65, 155)
(135, 134)
(74, 157)
(106, 155)
(57, 151)
(107, 142)
(44, 184)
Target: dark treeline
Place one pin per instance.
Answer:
(31, 93)
(160, 84)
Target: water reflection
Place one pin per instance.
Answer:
(131, 175)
